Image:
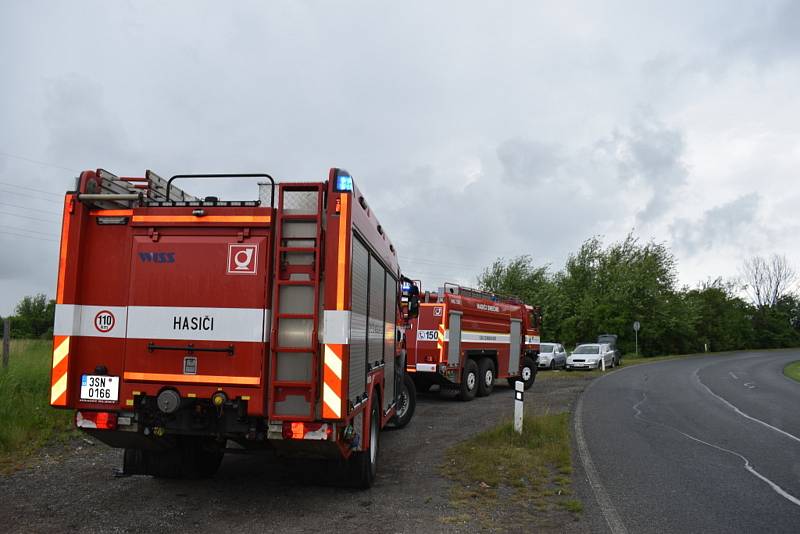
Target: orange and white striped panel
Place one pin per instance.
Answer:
(332, 382)
(440, 341)
(58, 380)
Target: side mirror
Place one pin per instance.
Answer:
(413, 305)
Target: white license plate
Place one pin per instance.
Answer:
(99, 388)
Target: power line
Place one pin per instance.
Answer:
(36, 161)
(17, 186)
(27, 217)
(28, 236)
(27, 195)
(28, 208)
(18, 229)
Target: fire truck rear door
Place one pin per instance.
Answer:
(515, 347)
(454, 343)
(197, 309)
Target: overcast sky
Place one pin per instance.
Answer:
(475, 129)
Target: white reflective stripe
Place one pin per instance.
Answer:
(58, 388)
(333, 362)
(60, 352)
(468, 336)
(336, 327)
(165, 322)
(531, 340)
(79, 320)
(333, 400)
(207, 324)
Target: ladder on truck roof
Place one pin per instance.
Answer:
(294, 363)
(456, 289)
(124, 192)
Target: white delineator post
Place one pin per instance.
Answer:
(518, 390)
(603, 363)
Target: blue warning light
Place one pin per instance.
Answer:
(344, 182)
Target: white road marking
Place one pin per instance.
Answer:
(610, 513)
(749, 385)
(733, 375)
(740, 412)
(747, 465)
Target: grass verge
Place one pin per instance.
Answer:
(793, 370)
(26, 419)
(528, 474)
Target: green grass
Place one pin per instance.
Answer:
(26, 419)
(793, 370)
(529, 472)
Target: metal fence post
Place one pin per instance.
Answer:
(518, 391)
(6, 340)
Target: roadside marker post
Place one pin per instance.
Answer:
(603, 363)
(518, 392)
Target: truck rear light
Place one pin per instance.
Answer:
(300, 430)
(98, 420)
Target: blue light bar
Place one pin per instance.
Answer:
(344, 182)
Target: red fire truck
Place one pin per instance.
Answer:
(465, 338)
(183, 324)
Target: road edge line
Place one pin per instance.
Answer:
(610, 514)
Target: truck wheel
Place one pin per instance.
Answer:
(406, 403)
(528, 373)
(485, 377)
(363, 465)
(469, 381)
(199, 458)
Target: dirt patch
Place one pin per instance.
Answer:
(73, 487)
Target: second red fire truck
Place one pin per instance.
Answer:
(465, 339)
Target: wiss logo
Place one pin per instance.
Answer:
(157, 257)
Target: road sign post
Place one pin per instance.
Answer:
(518, 392)
(636, 327)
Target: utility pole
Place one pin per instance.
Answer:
(6, 340)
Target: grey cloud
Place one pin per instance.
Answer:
(80, 126)
(718, 226)
(772, 34)
(528, 162)
(651, 154)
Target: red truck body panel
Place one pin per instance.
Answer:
(207, 297)
(453, 327)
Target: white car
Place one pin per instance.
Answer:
(590, 356)
(552, 356)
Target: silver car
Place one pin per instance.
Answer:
(552, 356)
(591, 356)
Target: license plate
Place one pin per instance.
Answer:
(99, 388)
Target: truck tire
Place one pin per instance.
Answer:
(528, 370)
(469, 381)
(406, 403)
(201, 458)
(485, 377)
(363, 465)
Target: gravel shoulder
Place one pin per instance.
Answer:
(73, 487)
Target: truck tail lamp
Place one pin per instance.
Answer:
(98, 420)
(300, 430)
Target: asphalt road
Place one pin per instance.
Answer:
(706, 444)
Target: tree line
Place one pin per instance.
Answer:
(604, 289)
(33, 317)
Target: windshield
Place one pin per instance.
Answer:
(546, 347)
(587, 349)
